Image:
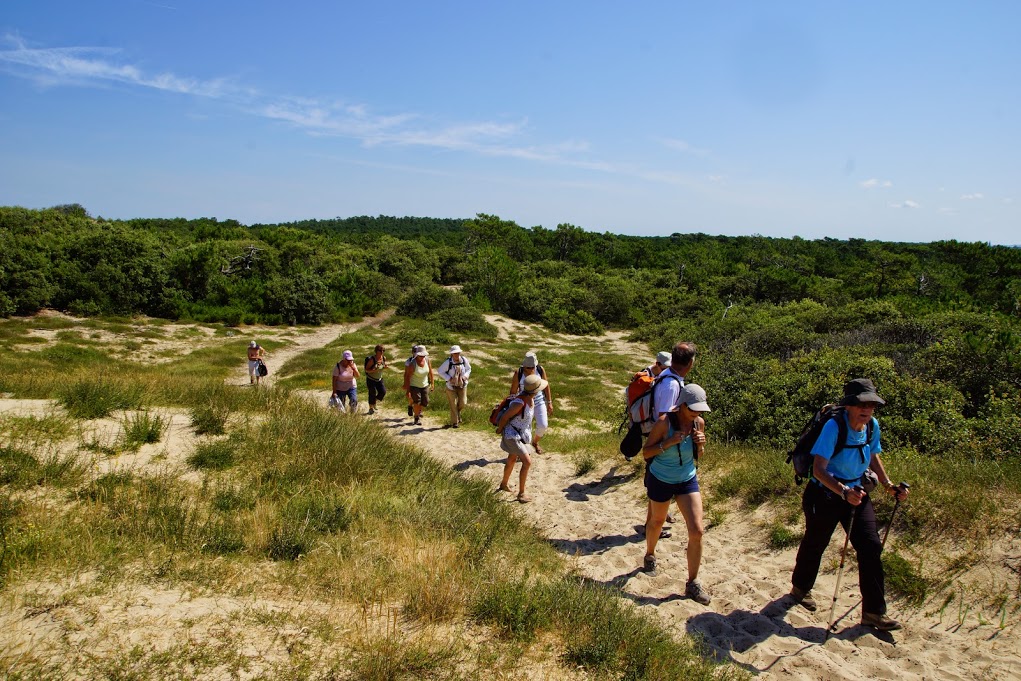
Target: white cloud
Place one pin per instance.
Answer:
(682, 146)
(971, 197)
(908, 203)
(1008, 201)
(716, 178)
(873, 183)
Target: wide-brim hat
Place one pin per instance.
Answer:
(421, 352)
(663, 358)
(530, 361)
(860, 390)
(533, 384)
(693, 397)
(454, 350)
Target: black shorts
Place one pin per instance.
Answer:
(660, 491)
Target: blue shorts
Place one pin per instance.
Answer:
(660, 491)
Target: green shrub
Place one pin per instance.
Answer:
(210, 419)
(904, 579)
(222, 536)
(513, 607)
(465, 320)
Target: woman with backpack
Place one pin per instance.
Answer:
(543, 400)
(345, 389)
(418, 381)
(515, 425)
(836, 494)
(670, 452)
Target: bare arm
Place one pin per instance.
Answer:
(511, 412)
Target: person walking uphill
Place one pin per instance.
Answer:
(516, 427)
(834, 495)
(418, 381)
(255, 356)
(670, 452)
(345, 388)
(455, 370)
(375, 364)
(543, 399)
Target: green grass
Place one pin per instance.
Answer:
(144, 428)
(904, 579)
(98, 398)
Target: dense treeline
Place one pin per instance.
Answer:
(781, 322)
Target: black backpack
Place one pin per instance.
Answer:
(801, 456)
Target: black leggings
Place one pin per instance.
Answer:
(823, 510)
(377, 391)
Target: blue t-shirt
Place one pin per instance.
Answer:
(676, 464)
(849, 463)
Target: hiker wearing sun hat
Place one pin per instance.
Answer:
(418, 381)
(835, 494)
(674, 445)
(516, 427)
(345, 389)
(543, 399)
(255, 355)
(455, 370)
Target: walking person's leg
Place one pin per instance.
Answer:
(822, 513)
(690, 506)
(541, 424)
(657, 516)
(462, 402)
(526, 464)
(452, 401)
(352, 396)
(869, 549)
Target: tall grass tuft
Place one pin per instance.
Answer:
(144, 428)
(217, 455)
(210, 419)
(22, 467)
(97, 398)
(904, 579)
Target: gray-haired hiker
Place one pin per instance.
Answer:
(516, 427)
(834, 493)
(670, 452)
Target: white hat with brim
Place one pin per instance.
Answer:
(421, 352)
(534, 384)
(454, 350)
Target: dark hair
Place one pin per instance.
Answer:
(683, 354)
(378, 348)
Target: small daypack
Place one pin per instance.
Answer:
(501, 408)
(801, 456)
(457, 379)
(263, 369)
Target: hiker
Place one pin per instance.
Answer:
(255, 355)
(543, 401)
(515, 426)
(834, 495)
(418, 382)
(670, 453)
(375, 364)
(407, 363)
(455, 370)
(345, 389)
(681, 359)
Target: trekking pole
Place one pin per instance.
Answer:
(896, 504)
(840, 570)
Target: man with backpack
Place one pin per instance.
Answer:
(837, 494)
(256, 353)
(666, 395)
(455, 370)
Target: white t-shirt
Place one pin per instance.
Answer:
(668, 392)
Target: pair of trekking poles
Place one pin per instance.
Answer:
(843, 552)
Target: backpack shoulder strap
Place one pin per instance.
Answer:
(841, 442)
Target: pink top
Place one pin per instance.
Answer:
(343, 376)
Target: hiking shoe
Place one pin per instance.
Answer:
(370, 412)
(665, 533)
(880, 622)
(418, 421)
(669, 518)
(649, 565)
(411, 411)
(695, 592)
(456, 425)
(804, 598)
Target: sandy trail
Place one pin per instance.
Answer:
(594, 518)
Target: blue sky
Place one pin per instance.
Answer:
(881, 120)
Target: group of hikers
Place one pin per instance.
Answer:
(845, 461)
